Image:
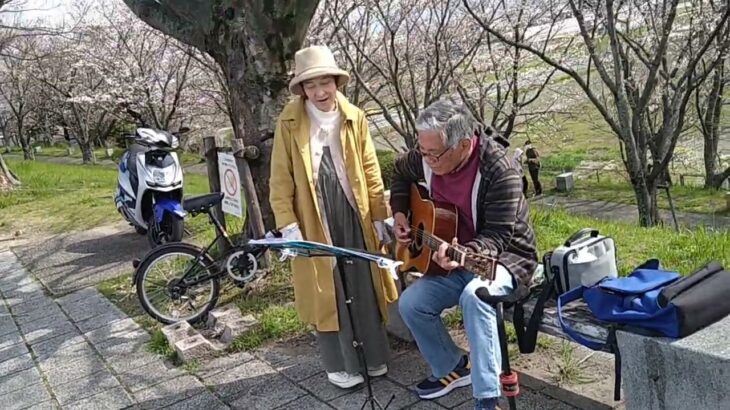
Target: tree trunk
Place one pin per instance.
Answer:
(8, 181)
(87, 152)
(715, 180)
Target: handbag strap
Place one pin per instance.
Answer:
(564, 299)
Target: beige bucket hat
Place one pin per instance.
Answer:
(313, 62)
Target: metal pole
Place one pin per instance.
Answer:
(671, 205)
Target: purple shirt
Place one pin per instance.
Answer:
(456, 188)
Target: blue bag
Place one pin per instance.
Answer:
(629, 301)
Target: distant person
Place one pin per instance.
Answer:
(533, 165)
(517, 159)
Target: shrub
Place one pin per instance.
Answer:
(387, 162)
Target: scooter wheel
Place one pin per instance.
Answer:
(171, 229)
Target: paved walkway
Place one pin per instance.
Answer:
(629, 213)
(81, 352)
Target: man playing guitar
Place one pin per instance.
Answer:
(463, 166)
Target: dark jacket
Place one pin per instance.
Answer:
(502, 223)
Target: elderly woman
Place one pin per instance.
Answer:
(326, 187)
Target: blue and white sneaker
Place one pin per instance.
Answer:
(433, 388)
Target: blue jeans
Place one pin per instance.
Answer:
(420, 307)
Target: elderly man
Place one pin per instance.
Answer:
(463, 166)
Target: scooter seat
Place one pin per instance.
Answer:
(202, 203)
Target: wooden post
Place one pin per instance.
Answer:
(211, 161)
(254, 219)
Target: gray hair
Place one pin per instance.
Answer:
(451, 117)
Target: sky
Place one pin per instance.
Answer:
(52, 11)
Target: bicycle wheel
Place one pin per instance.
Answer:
(161, 292)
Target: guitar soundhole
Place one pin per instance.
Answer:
(416, 246)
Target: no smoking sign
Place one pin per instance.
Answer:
(230, 184)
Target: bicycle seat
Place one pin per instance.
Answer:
(202, 203)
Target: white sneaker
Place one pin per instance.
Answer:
(345, 380)
(378, 371)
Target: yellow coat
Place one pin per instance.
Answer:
(293, 199)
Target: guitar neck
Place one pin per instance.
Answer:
(434, 244)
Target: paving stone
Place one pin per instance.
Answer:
(205, 400)
(10, 339)
(31, 396)
(319, 386)
(307, 402)
(170, 392)
(86, 309)
(7, 325)
(33, 305)
(300, 368)
(26, 292)
(111, 399)
(48, 347)
(382, 390)
(16, 364)
(79, 296)
(219, 364)
(32, 316)
(456, 397)
(97, 322)
(130, 361)
(429, 405)
(68, 371)
(29, 323)
(79, 351)
(114, 330)
(49, 332)
(86, 387)
(229, 383)
(408, 369)
(12, 352)
(19, 380)
(113, 352)
(144, 377)
(266, 394)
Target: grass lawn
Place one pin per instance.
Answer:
(685, 198)
(59, 197)
(60, 150)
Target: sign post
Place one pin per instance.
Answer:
(230, 184)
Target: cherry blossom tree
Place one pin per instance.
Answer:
(643, 66)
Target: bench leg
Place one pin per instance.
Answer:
(508, 378)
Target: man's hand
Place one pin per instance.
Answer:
(401, 228)
(442, 259)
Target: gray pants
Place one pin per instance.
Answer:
(336, 349)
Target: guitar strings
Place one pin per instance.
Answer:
(435, 241)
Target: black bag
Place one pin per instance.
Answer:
(700, 299)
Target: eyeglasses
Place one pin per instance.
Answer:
(435, 157)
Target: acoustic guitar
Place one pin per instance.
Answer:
(433, 223)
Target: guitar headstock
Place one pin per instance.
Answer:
(481, 265)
